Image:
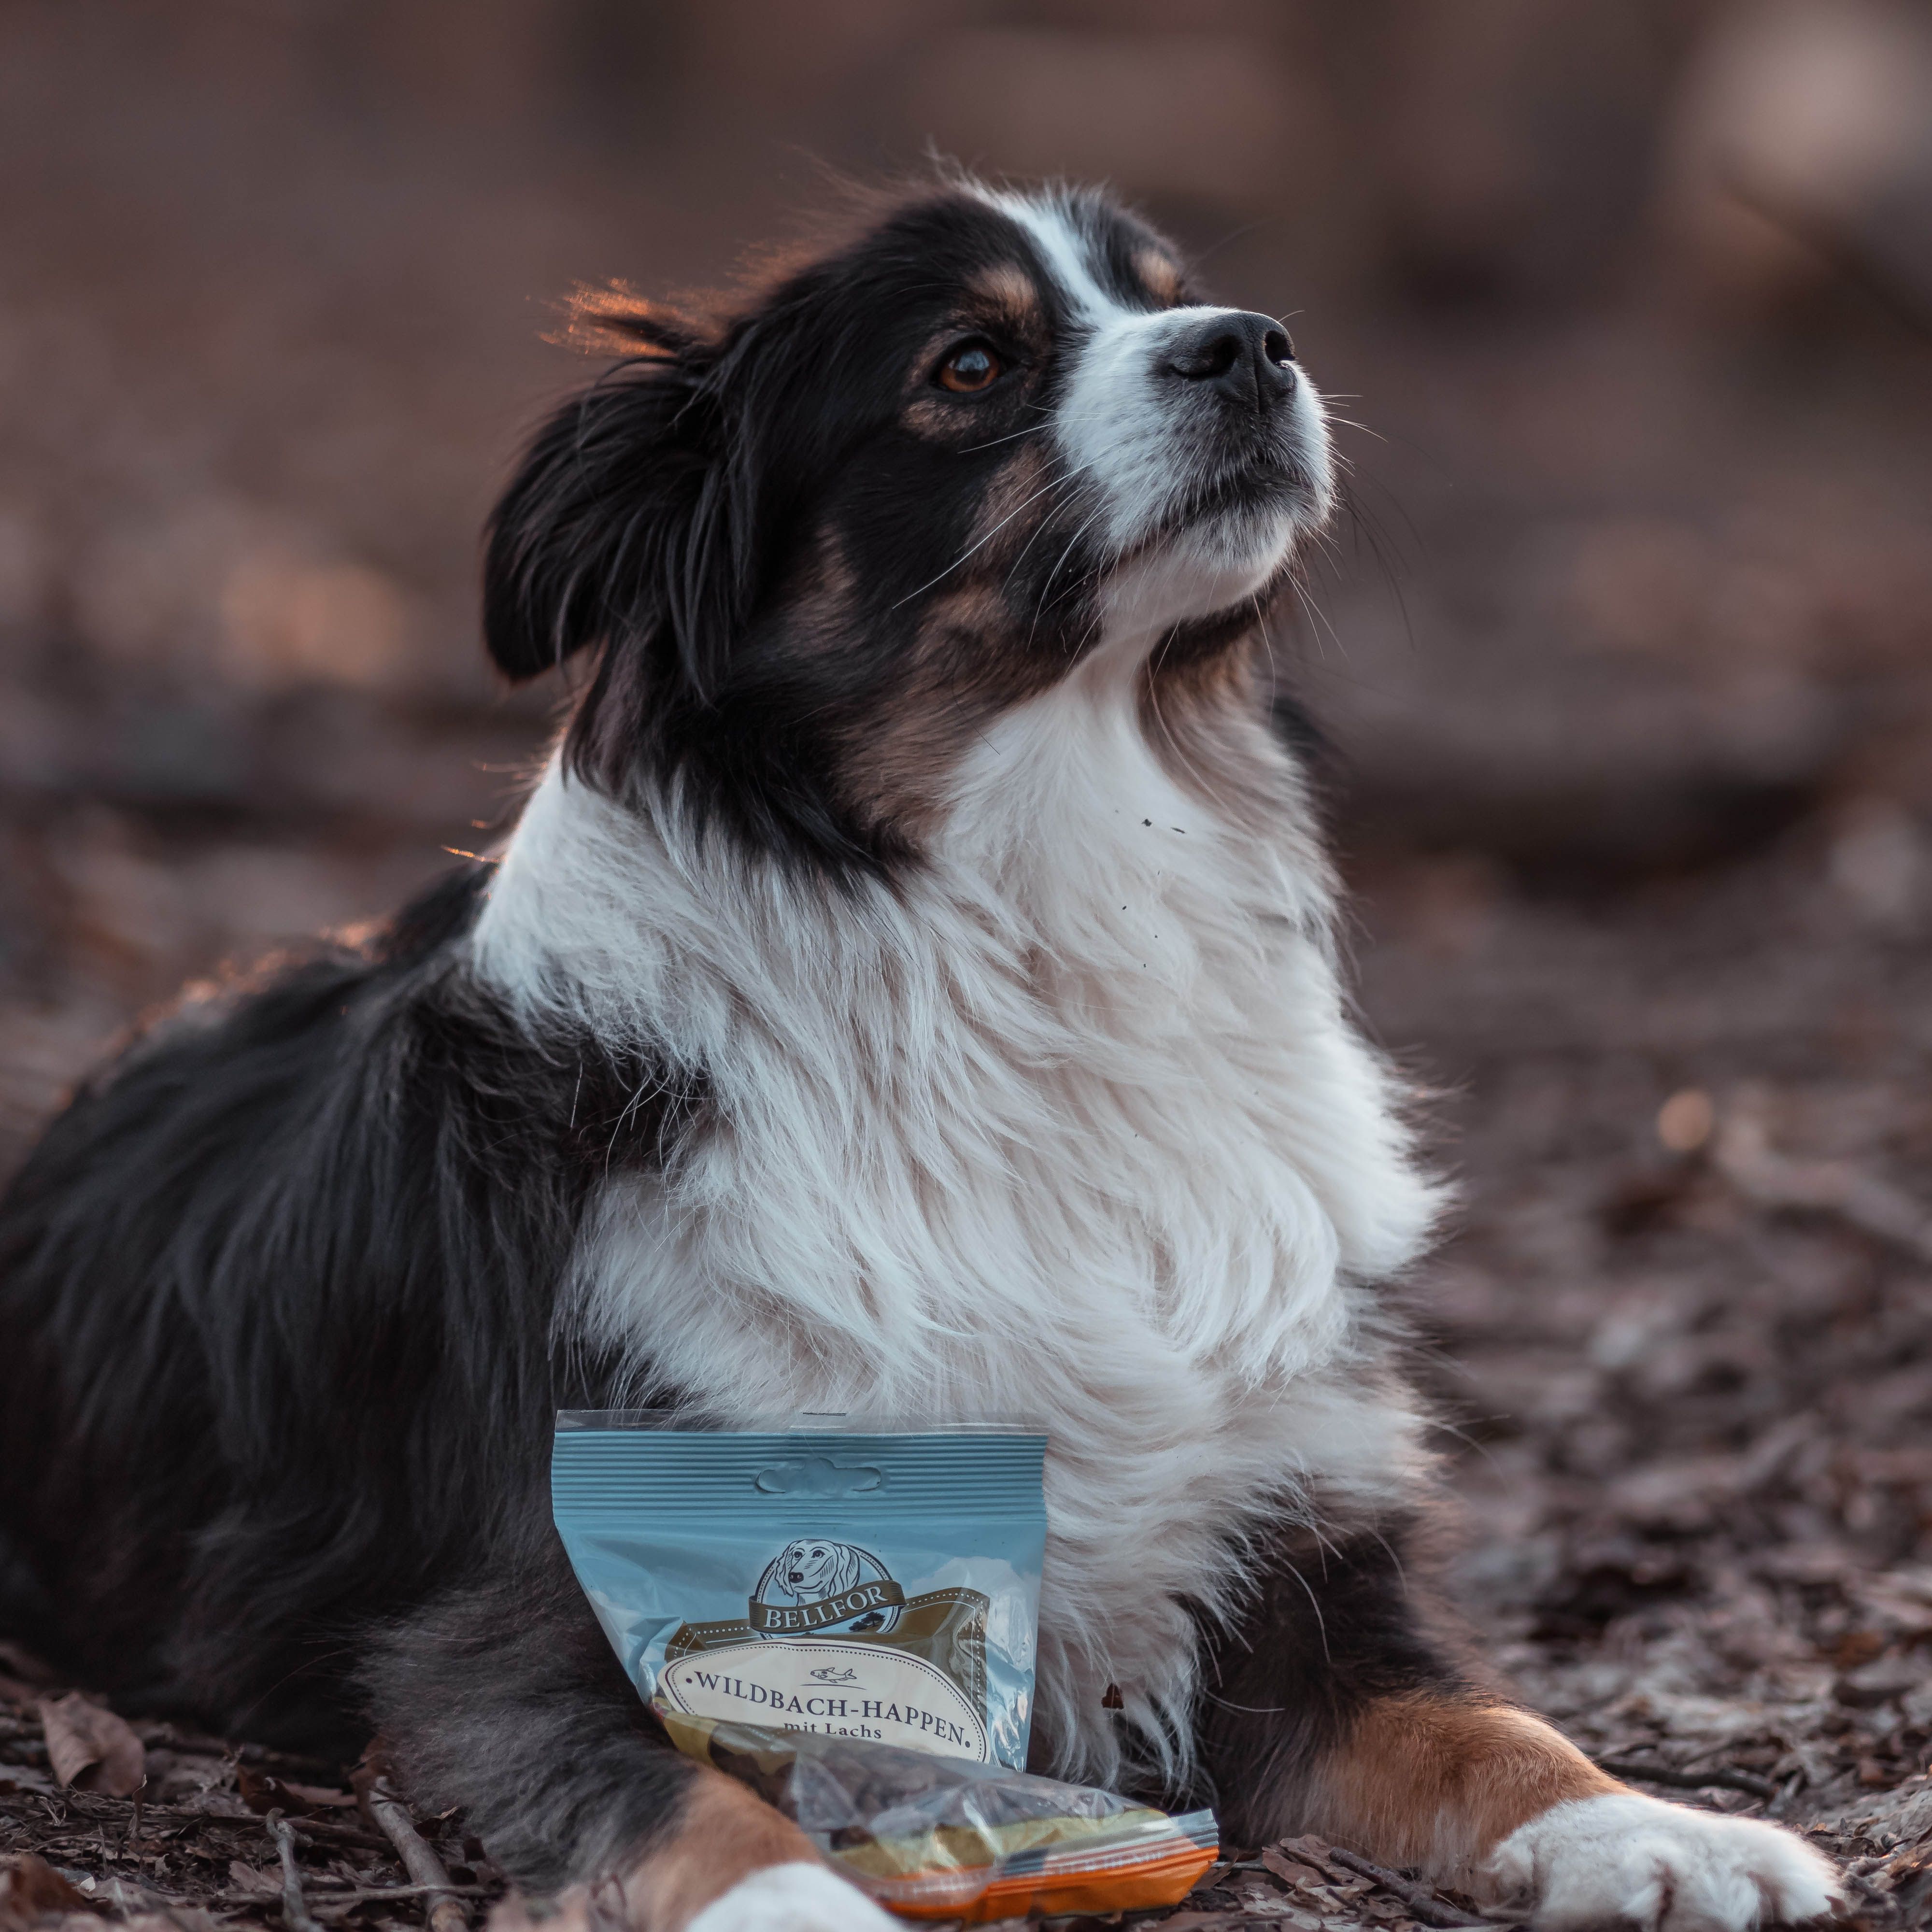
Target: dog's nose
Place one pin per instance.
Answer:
(1247, 359)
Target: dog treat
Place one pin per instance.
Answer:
(881, 1587)
(942, 1837)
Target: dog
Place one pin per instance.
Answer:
(911, 991)
(807, 1571)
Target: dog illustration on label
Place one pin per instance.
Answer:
(815, 1584)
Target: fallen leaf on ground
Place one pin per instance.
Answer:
(245, 1877)
(320, 1795)
(90, 1748)
(29, 1887)
(262, 1791)
(1294, 1870)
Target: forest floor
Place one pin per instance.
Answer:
(1681, 1338)
(1635, 777)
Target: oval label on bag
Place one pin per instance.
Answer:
(845, 1689)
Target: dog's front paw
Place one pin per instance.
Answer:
(797, 1897)
(1631, 1860)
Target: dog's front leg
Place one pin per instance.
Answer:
(1336, 1709)
(504, 1698)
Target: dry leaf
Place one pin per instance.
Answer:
(317, 1796)
(29, 1887)
(1294, 1870)
(260, 1792)
(245, 1877)
(90, 1748)
(1310, 1850)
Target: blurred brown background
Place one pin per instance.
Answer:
(1624, 646)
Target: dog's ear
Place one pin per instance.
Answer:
(629, 517)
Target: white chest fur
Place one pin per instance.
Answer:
(1072, 1127)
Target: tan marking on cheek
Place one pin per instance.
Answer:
(1017, 501)
(964, 668)
(820, 597)
(1437, 1783)
(926, 416)
(723, 1834)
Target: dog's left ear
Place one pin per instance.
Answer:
(630, 516)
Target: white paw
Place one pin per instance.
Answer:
(1627, 1860)
(797, 1897)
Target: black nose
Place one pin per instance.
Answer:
(1248, 358)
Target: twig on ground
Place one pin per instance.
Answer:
(262, 1757)
(343, 1834)
(1722, 1779)
(294, 1907)
(1744, 1156)
(1880, 271)
(1423, 1904)
(445, 1914)
(327, 1891)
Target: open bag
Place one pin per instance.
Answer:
(846, 1621)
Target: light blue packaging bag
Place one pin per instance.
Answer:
(876, 1586)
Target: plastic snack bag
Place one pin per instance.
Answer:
(884, 1588)
(942, 1837)
(846, 1622)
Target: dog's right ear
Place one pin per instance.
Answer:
(616, 524)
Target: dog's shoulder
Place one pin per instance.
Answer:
(230, 1056)
(363, 1121)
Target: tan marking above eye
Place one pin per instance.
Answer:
(1008, 290)
(1159, 274)
(971, 368)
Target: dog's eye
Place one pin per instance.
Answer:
(972, 366)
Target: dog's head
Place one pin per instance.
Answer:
(811, 1568)
(820, 540)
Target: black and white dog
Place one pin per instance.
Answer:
(909, 992)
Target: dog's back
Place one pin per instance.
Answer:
(271, 1344)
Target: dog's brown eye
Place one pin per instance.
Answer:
(971, 367)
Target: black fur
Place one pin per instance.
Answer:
(275, 1294)
(270, 1282)
(1332, 1626)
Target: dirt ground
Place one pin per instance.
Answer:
(1623, 651)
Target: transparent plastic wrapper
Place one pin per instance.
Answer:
(943, 1837)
